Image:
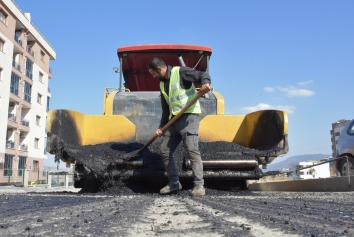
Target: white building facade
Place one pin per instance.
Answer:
(319, 171)
(25, 57)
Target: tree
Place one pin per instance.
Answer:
(313, 172)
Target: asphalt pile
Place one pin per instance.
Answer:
(99, 161)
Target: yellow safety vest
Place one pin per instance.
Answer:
(178, 97)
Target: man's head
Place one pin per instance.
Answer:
(158, 69)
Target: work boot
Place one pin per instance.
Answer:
(171, 187)
(198, 191)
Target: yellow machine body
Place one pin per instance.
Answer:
(79, 129)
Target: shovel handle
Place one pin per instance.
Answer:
(181, 112)
(172, 121)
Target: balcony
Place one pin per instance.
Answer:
(49, 89)
(48, 109)
(10, 144)
(16, 65)
(29, 74)
(25, 122)
(50, 71)
(23, 147)
(23, 134)
(12, 117)
(18, 40)
(29, 50)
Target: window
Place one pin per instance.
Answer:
(29, 68)
(36, 143)
(2, 45)
(40, 77)
(21, 165)
(27, 90)
(3, 16)
(0, 74)
(15, 79)
(8, 165)
(48, 100)
(337, 134)
(42, 56)
(39, 98)
(38, 120)
(35, 165)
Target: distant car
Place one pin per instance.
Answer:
(345, 147)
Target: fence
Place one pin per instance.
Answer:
(25, 177)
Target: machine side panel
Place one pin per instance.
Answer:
(67, 124)
(107, 128)
(229, 128)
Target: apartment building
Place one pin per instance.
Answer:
(337, 128)
(25, 57)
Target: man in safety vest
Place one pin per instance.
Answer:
(177, 89)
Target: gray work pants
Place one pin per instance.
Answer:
(183, 129)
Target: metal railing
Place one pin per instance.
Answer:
(10, 144)
(29, 50)
(12, 176)
(25, 122)
(29, 74)
(23, 134)
(50, 71)
(18, 40)
(49, 89)
(16, 65)
(38, 177)
(23, 147)
(47, 109)
(12, 117)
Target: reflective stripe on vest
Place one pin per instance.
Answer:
(178, 97)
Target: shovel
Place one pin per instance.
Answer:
(138, 152)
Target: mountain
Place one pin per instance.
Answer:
(293, 160)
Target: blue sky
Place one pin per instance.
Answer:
(290, 55)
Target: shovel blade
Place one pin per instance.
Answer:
(131, 155)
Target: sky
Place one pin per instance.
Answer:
(296, 56)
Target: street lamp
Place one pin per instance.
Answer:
(116, 70)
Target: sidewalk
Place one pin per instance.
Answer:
(13, 189)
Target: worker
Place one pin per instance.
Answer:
(177, 89)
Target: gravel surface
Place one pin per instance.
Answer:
(220, 213)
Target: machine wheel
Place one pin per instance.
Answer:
(343, 168)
